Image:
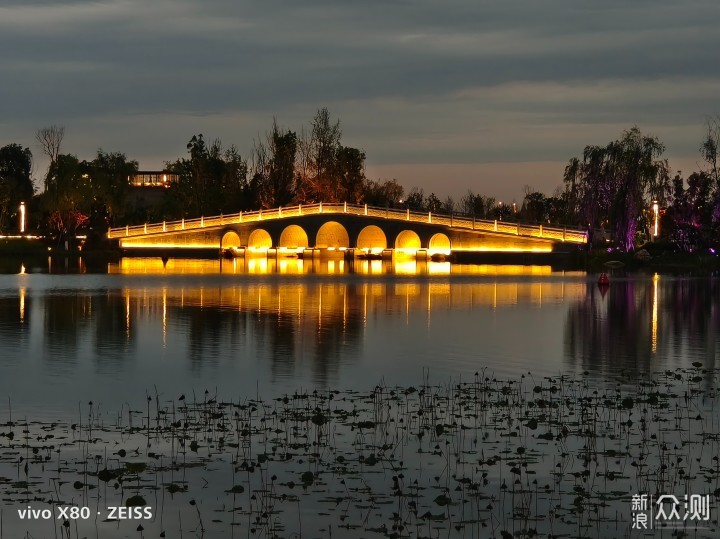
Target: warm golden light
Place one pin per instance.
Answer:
(439, 244)
(164, 316)
(656, 278)
(500, 269)
(544, 249)
(22, 304)
(261, 264)
(127, 314)
(317, 303)
(22, 218)
(656, 211)
(148, 244)
(335, 235)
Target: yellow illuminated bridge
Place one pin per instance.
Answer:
(344, 227)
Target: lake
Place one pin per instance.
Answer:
(93, 346)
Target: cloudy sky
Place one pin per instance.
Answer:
(449, 96)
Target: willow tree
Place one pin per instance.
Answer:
(617, 183)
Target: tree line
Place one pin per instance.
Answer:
(283, 168)
(610, 188)
(613, 188)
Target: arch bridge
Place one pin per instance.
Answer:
(341, 227)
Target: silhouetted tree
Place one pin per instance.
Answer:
(273, 180)
(213, 180)
(534, 208)
(478, 205)
(350, 174)
(690, 212)
(15, 182)
(50, 140)
(387, 193)
(319, 155)
(709, 149)
(66, 202)
(415, 199)
(108, 174)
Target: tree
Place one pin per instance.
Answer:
(534, 207)
(350, 174)
(478, 205)
(415, 199)
(50, 140)
(318, 158)
(212, 180)
(15, 183)
(557, 208)
(448, 206)
(108, 174)
(709, 149)
(571, 178)
(501, 212)
(273, 180)
(433, 203)
(235, 181)
(617, 182)
(387, 193)
(690, 212)
(67, 201)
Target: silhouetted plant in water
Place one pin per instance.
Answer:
(520, 458)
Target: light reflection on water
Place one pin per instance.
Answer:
(271, 326)
(259, 328)
(261, 265)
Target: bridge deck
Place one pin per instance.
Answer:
(570, 235)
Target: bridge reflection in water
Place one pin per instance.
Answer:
(399, 265)
(320, 318)
(314, 328)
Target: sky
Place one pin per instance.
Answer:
(490, 96)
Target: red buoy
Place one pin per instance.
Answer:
(603, 280)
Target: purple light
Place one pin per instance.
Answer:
(712, 251)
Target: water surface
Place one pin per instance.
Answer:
(279, 398)
(273, 327)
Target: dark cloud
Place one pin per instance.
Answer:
(413, 81)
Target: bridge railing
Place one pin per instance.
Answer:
(572, 235)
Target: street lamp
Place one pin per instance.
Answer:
(656, 226)
(22, 218)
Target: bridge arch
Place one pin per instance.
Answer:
(230, 240)
(332, 234)
(293, 237)
(407, 240)
(439, 243)
(259, 239)
(371, 237)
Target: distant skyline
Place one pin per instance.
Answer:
(447, 96)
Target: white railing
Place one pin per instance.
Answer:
(571, 235)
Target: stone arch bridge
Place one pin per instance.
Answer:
(339, 227)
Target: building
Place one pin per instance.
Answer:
(152, 178)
